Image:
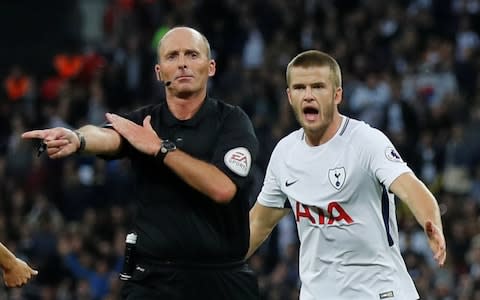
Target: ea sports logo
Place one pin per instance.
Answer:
(238, 160)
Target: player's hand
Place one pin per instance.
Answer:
(436, 240)
(19, 274)
(143, 138)
(59, 141)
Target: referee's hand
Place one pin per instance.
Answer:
(143, 138)
(58, 142)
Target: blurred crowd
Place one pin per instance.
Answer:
(410, 68)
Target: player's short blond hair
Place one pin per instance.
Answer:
(315, 58)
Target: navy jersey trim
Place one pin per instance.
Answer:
(386, 215)
(344, 126)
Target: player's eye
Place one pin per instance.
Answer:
(298, 87)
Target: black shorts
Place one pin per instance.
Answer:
(230, 282)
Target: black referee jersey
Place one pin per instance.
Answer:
(176, 223)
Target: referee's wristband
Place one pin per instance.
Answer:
(81, 139)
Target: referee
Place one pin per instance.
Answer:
(191, 156)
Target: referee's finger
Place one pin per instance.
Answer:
(53, 150)
(34, 134)
(57, 143)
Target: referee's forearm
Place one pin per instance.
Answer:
(99, 140)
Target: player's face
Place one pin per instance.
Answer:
(313, 98)
(184, 62)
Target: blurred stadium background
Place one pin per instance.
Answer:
(410, 68)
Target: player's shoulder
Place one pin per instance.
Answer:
(293, 137)
(360, 133)
(289, 140)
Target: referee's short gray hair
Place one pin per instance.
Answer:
(205, 40)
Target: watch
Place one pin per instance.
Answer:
(81, 139)
(166, 147)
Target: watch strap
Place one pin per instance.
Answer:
(81, 139)
(166, 147)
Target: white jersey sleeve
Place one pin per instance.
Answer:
(271, 194)
(384, 161)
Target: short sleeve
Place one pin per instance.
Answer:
(271, 194)
(384, 161)
(236, 148)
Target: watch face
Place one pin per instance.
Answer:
(168, 146)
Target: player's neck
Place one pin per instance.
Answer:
(185, 108)
(320, 137)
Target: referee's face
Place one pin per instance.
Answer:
(184, 62)
(313, 98)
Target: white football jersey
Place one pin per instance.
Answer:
(345, 218)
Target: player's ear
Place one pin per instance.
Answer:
(289, 96)
(338, 95)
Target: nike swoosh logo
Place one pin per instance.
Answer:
(290, 183)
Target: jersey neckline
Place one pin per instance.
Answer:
(340, 131)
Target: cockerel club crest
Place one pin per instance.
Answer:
(337, 177)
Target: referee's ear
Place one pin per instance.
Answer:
(158, 74)
(212, 68)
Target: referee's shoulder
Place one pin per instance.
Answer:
(226, 109)
(148, 108)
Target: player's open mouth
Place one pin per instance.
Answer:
(310, 113)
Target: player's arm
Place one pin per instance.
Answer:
(425, 208)
(16, 272)
(61, 142)
(262, 221)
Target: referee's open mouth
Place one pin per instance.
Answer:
(310, 113)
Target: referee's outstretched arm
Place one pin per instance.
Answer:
(61, 142)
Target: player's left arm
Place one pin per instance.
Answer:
(425, 208)
(262, 221)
